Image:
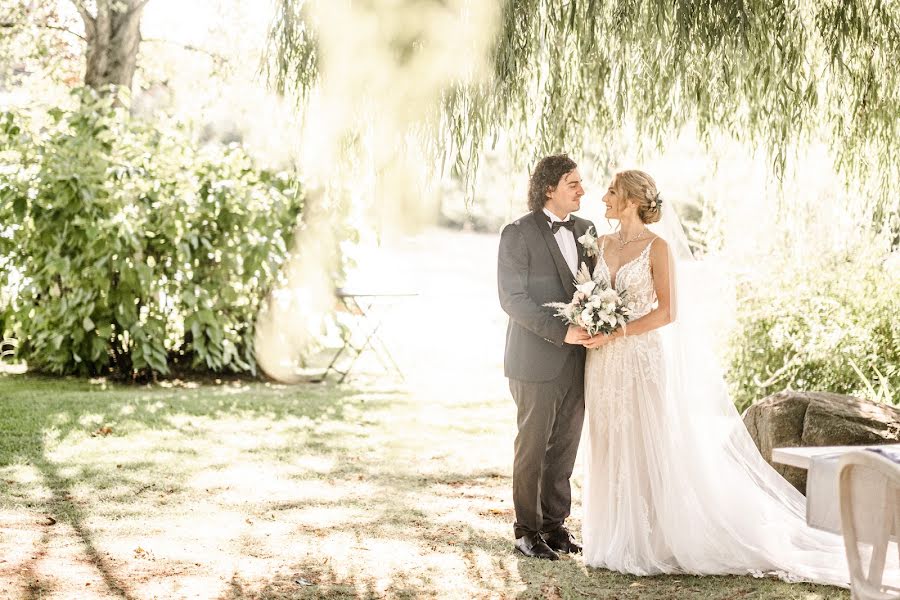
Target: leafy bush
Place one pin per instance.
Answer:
(828, 325)
(5, 305)
(136, 249)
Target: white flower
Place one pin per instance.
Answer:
(609, 295)
(586, 316)
(586, 288)
(589, 242)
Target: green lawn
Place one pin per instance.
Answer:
(254, 490)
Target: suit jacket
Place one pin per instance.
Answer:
(531, 271)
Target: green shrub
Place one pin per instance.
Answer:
(5, 305)
(138, 249)
(830, 324)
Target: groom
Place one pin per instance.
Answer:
(544, 361)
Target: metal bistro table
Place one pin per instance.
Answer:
(370, 307)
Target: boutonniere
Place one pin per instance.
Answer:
(589, 242)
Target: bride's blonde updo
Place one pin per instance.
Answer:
(638, 187)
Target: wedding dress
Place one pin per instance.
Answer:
(673, 481)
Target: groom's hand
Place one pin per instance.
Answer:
(576, 335)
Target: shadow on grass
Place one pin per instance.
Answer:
(508, 575)
(36, 407)
(60, 506)
(489, 557)
(317, 582)
(444, 530)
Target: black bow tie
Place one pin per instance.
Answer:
(555, 225)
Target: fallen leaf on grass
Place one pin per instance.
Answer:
(551, 592)
(496, 512)
(636, 584)
(103, 431)
(139, 552)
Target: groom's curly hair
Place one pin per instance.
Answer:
(545, 177)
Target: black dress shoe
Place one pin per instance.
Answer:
(561, 540)
(533, 545)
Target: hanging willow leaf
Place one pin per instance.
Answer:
(771, 73)
(293, 61)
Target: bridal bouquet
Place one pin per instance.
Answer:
(596, 307)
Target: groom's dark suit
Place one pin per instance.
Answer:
(546, 375)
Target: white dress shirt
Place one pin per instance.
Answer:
(565, 239)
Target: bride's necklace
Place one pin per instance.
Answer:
(624, 242)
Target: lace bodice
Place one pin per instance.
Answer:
(635, 278)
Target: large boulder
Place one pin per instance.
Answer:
(818, 419)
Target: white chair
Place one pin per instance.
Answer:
(869, 488)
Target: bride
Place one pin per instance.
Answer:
(673, 480)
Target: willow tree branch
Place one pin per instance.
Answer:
(216, 57)
(770, 74)
(82, 10)
(10, 25)
(90, 22)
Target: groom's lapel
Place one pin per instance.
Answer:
(565, 275)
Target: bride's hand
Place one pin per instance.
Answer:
(601, 339)
(576, 335)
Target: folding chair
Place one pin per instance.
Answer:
(869, 488)
(369, 308)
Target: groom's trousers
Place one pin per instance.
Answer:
(550, 418)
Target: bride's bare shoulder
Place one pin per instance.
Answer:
(601, 239)
(659, 248)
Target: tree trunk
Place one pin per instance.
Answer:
(113, 37)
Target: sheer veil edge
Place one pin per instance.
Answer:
(725, 490)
